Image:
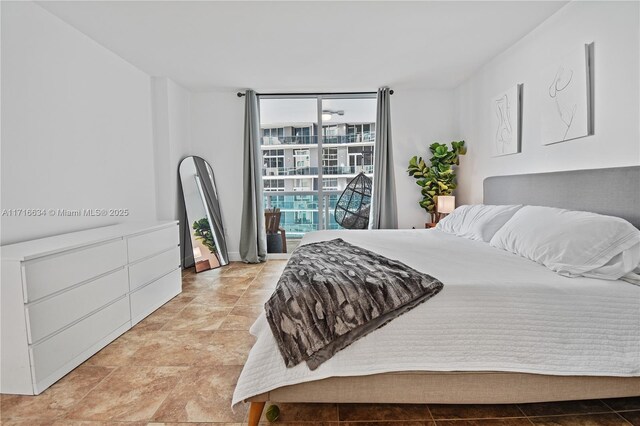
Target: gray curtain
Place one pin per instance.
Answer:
(384, 212)
(253, 236)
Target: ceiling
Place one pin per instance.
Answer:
(306, 45)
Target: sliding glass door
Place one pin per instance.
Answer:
(348, 126)
(312, 146)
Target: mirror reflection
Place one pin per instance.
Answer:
(203, 218)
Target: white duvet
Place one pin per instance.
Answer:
(496, 312)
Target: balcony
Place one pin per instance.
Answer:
(299, 211)
(313, 171)
(313, 139)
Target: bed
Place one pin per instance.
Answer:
(503, 330)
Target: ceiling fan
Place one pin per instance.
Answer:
(327, 114)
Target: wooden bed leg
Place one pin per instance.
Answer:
(255, 411)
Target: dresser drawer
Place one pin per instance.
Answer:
(150, 297)
(153, 268)
(53, 353)
(145, 245)
(54, 273)
(52, 314)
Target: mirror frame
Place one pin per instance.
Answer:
(210, 232)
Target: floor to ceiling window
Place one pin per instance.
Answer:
(312, 146)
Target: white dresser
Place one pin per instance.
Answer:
(64, 298)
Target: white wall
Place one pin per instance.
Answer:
(421, 117)
(217, 127)
(76, 127)
(418, 118)
(614, 27)
(172, 142)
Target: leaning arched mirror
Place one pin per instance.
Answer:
(203, 218)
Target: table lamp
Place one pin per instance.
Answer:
(446, 204)
(196, 253)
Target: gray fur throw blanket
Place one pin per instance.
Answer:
(332, 293)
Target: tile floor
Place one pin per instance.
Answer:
(180, 365)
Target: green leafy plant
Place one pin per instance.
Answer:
(438, 177)
(202, 231)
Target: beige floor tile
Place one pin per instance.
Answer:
(128, 394)
(198, 316)
(632, 417)
(151, 323)
(170, 348)
(254, 297)
(193, 287)
(270, 276)
(274, 262)
(220, 296)
(278, 423)
(474, 411)
(223, 347)
(188, 271)
(203, 395)
(564, 407)
(162, 315)
(193, 424)
(200, 284)
(177, 348)
(236, 282)
(210, 274)
(265, 282)
(304, 412)
(242, 270)
(180, 366)
(120, 351)
(623, 404)
(398, 423)
(173, 307)
(604, 419)
(65, 422)
(241, 317)
(486, 422)
(54, 401)
(387, 412)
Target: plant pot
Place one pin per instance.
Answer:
(274, 243)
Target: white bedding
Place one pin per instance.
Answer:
(497, 312)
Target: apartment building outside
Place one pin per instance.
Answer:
(293, 161)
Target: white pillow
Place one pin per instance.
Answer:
(572, 243)
(477, 221)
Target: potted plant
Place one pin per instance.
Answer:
(438, 177)
(202, 232)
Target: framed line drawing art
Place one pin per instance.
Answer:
(506, 122)
(567, 97)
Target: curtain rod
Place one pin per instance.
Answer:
(241, 94)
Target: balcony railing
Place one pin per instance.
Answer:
(313, 171)
(313, 139)
(299, 210)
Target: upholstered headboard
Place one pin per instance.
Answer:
(614, 192)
